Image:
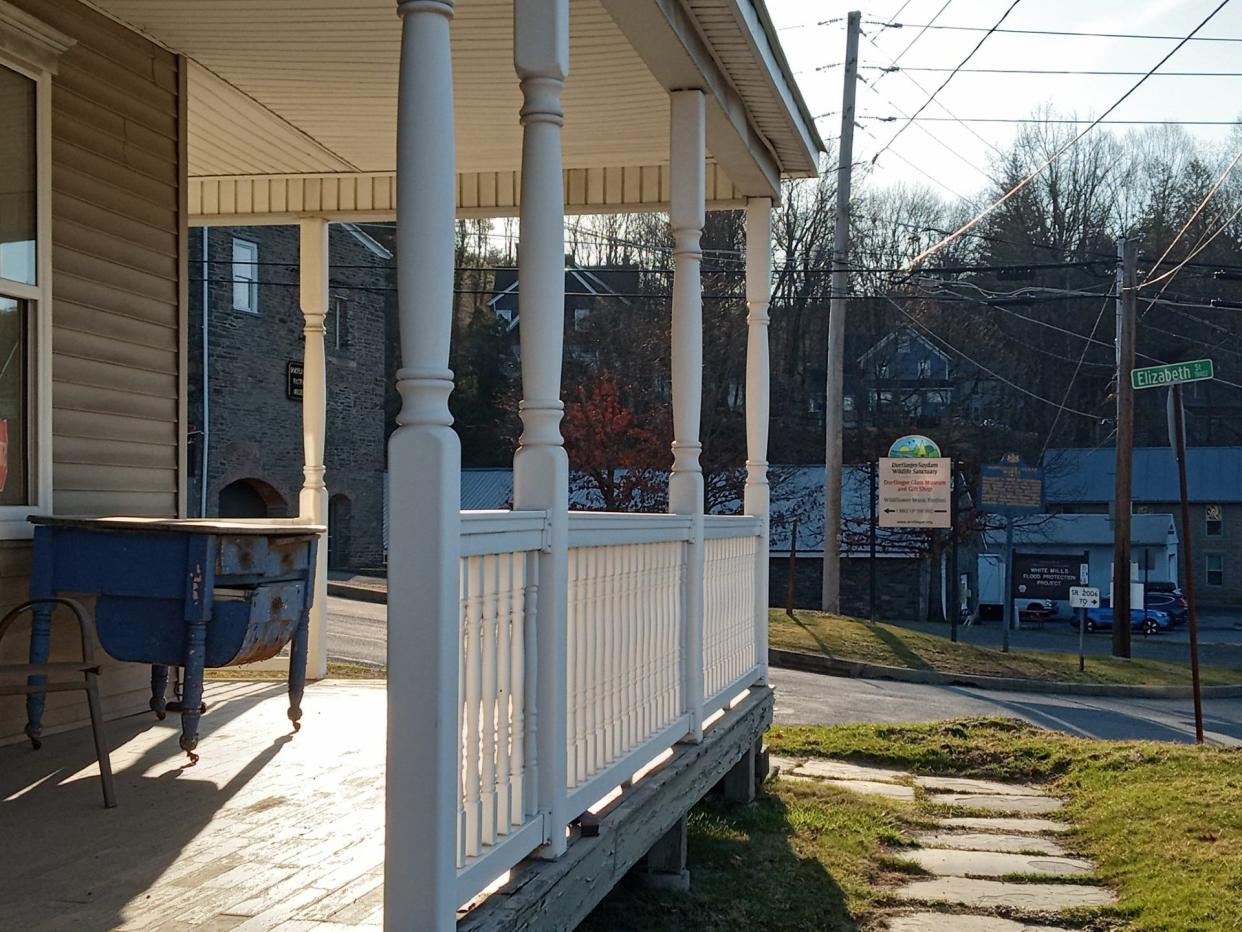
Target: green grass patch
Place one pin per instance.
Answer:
(1163, 822)
(844, 638)
(337, 671)
(803, 858)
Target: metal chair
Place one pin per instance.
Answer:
(36, 682)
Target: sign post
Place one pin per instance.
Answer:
(1010, 489)
(1082, 598)
(1174, 375)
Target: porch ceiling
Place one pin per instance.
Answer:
(309, 88)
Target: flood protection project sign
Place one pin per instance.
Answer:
(914, 492)
(1045, 575)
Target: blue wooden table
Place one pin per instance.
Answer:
(191, 593)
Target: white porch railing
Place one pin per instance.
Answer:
(626, 694)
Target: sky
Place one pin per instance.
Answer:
(809, 46)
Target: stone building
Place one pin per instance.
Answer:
(247, 439)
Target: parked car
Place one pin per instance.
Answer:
(1164, 597)
(1144, 620)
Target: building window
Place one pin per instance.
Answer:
(245, 276)
(23, 354)
(338, 324)
(582, 316)
(1214, 521)
(847, 403)
(924, 368)
(1215, 569)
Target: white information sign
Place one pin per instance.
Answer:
(915, 492)
(1084, 597)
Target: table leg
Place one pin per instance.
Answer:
(40, 646)
(297, 669)
(159, 686)
(192, 688)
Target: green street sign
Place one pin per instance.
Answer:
(1173, 374)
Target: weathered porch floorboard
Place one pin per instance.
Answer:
(266, 832)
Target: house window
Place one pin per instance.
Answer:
(1215, 566)
(338, 324)
(245, 276)
(847, 402)
(24, 349)
(924, 368)
(1214, 521)
(581, 316)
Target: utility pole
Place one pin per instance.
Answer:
(833, 413)
(1127, 253)
(1188, 560)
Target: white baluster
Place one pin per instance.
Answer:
(425, 493)
(474, 698)
(506, 587)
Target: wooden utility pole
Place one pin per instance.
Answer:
(1127, 253)
(833, 403)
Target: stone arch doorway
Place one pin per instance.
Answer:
(338, 532)
(251, 498)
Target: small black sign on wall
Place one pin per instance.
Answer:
(294, 374)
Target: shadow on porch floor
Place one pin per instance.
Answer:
(268, 831)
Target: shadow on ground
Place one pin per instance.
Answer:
(67, 862)
(783, 891)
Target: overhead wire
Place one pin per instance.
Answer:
(945, 83)
(1074, 376)
(932, 250)
(1045, 32)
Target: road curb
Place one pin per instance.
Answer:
(831, 666)
(357, 593)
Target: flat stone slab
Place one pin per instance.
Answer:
(1034, 805)
(957, 922)
(986, 841)
(1006, 825)
(840, 770)
(1033, 897)
(949, 862)
(987, 787)
(786, 765)
(870, 787)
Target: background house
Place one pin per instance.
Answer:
(245, 445)
(1081, 481)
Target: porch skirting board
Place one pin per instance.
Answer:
(555, 896)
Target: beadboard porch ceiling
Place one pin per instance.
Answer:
(308, 88)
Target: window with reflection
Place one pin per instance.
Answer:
(18, 273)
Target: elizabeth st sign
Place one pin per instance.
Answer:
(1175, 373)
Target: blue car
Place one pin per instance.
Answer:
(1143, 620)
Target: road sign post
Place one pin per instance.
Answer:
(1010, 489)
(1082, 598)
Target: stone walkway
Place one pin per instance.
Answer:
(969, 857)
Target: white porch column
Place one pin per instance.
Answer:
(425, 496)
(313, 500)
(541, 465)
(685, 485)
(757, 496)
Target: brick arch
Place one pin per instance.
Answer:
(249, 497)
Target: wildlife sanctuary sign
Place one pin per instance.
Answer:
(915, 492)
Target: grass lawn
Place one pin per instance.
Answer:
(846, 638)
(1162, 821)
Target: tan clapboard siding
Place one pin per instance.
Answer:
(116, 366)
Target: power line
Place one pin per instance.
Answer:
(945, 83)
(932, 178)
(996, 375)
(1059, 71)
(881, 118)
(1050, 32)
(932, 250)
(1068, 388)
(922, 32)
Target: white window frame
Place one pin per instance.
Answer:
(1207, 522)
(252, 291)
(35, 59)
(1207, 569)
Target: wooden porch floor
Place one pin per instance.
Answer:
(267, 832)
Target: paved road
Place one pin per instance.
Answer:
(356, 633)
